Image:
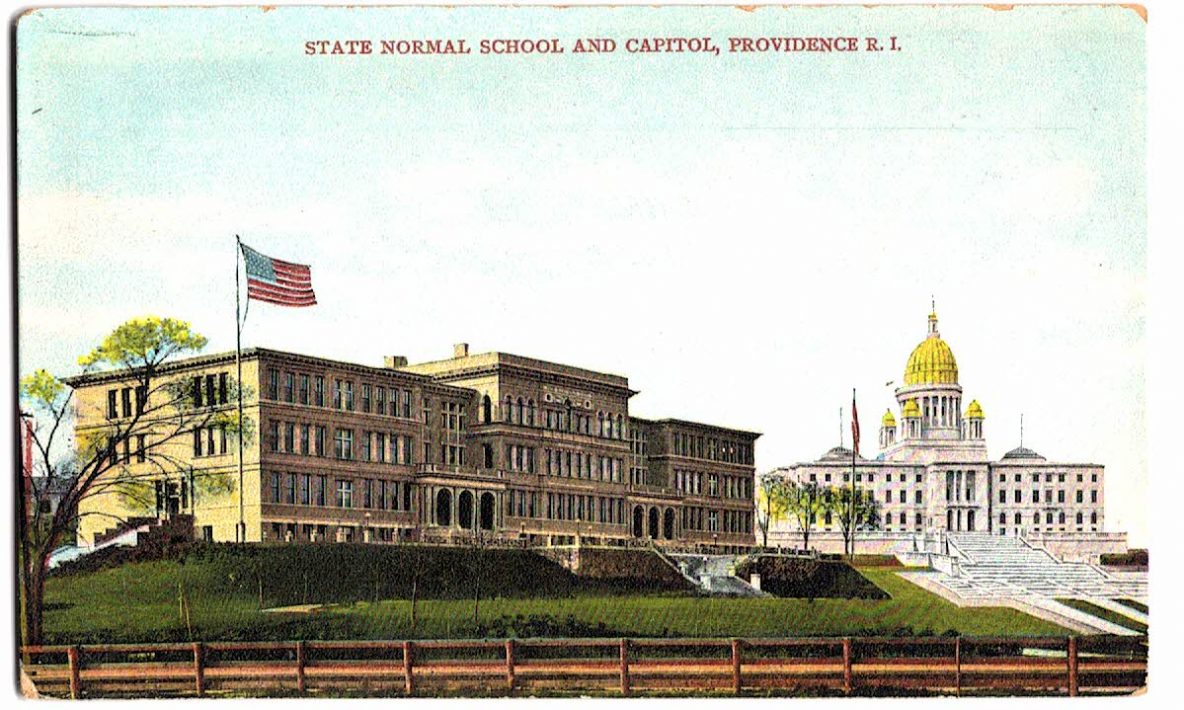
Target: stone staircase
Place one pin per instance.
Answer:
(1008, 564)
(713, 574)
(991, 570)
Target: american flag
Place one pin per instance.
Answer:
(276, 281)
(854, 424)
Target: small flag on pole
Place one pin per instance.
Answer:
(279, 282)
(854, 424)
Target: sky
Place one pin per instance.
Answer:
(746, 237)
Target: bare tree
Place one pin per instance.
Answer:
(120, 456)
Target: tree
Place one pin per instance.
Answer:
(805, 502)
(99, 460)
(866, 514)
(771, 503)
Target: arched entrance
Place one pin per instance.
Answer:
(444, 508)
(464, 510)
(668, 524)
(653, 523)
(638, 521)
(487, 506)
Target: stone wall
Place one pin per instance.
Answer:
(610, 563)
(1079, 547)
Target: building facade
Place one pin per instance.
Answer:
(933, 473)
(486, 446)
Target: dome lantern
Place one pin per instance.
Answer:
(932, 361)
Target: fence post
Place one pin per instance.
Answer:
(958, 666)
(736, 666)
(624, 666)
(847, 665)
(1072, 666)
(409, 684)
(301, 660)
(510, 664)
(75, 672)
(199, 675)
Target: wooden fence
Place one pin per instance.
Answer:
(1047, 665)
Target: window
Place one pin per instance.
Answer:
(140, 450)
(290, 438)
(349, 396)
(320, 489)
(305, 489)
(273, 384)
(366, 398)
(344, 444)
(380, 446)
(380, 400)
(273, 437)
(112, 404)
(1093, 496)
(345, 493)
(1002, 496)
(290, 491)
(319, 391)
(275, 488)
(319, 441)
(337, 389)
(126, 398)
(304, 436)
(289, 387)
(304, 389)
(366, 436)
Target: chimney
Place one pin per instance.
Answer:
(394, 362)
(460, 350)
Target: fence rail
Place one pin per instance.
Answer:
(1052, 665)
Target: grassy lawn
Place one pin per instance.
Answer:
(141, 602)
(1111, 616)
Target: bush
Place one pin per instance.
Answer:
(1130, 558)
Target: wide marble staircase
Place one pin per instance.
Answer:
(989, 569)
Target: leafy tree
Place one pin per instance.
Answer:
(99, 460)
(805, 502)
(772, 503)
(866, 515)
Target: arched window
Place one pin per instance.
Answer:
(508, 412)
(1093, 518)
(444, 508)
(567, 422)
(530, 413)
(620, 432)
(1036, 518)
(1080, 517)
(486, 512)
(1061, 518)
(486, 409)
(1018, 520)
(600, 420)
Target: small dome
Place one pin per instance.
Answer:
(911, 409)
(1021, 452)
(888, 420)
(932, 362)
(975, 410)
(838, 453)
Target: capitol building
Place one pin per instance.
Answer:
(933, 476)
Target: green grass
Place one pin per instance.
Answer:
(139, 602)
(1103, 613)
(1137, 606)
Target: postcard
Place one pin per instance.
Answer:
(629, 351)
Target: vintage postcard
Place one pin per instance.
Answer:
(581, 351)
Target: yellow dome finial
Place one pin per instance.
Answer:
(888, 420)
(932, 361)
(974, 410)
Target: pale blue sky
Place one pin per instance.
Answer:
(746, 237)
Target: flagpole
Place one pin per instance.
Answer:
(241, 530)
(854, 446)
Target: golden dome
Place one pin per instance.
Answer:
(911, 409)
(975, 410)
(888, 420)
(932, 362)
